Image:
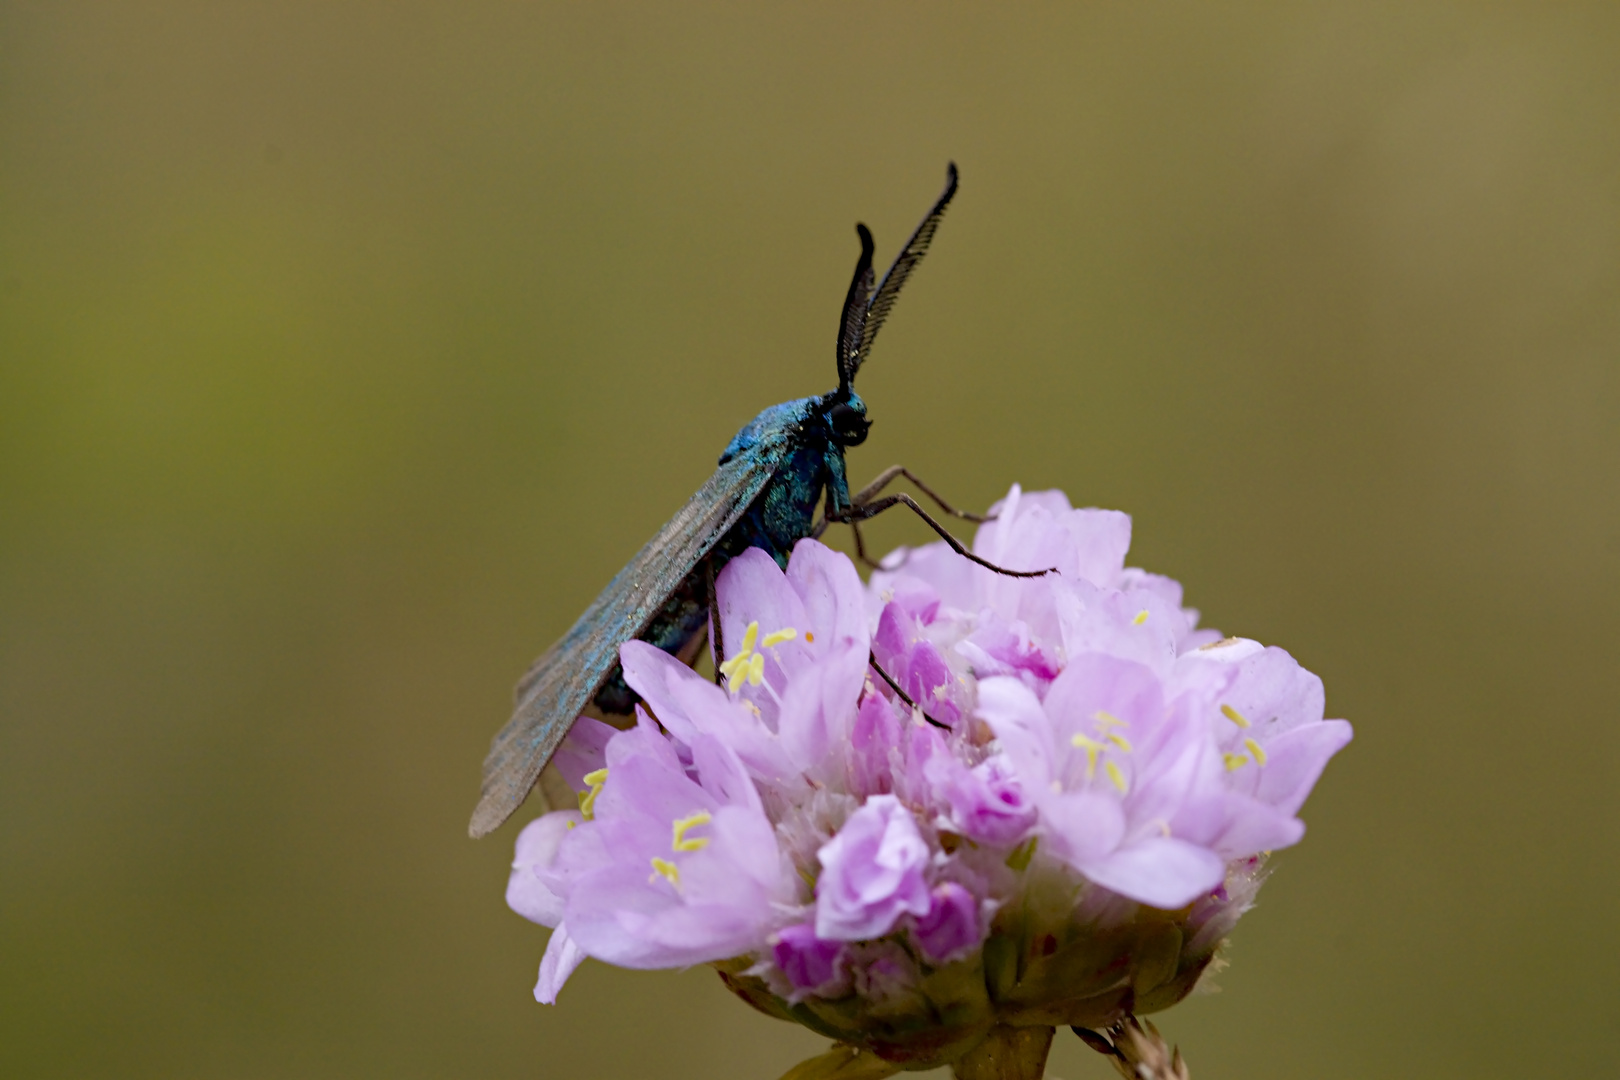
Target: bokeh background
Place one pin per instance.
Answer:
(347, 348)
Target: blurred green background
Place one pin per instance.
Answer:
(346, 349)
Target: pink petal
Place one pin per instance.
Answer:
(832, 594)
(537, 845)
(1020, 725)
(1162, 872)
(1294, 761)
(752, 588)
(562, 957)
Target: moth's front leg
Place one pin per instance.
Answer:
(872, 509)
(893, 472)
(867, 494)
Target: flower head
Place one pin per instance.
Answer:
(1061, 829)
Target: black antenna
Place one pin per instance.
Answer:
(855, 303)
(877, 309)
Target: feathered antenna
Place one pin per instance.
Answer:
(849, 327)
(864, 308)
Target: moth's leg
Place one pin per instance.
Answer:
(860, 541)
(887, 477)
(829, 514)
(716, 634)
(860, 547)
(872, 509)
(871, 658)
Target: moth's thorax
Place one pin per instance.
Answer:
(772, 424)
(800, 421)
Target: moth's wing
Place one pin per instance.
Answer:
(563, 680)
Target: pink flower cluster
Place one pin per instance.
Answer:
(803, 817)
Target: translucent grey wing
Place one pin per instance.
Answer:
(564, 679)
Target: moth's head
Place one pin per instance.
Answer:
(844, 413)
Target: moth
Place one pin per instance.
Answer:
(764, 494)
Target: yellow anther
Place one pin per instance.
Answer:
(1233, 715)
(738, 667)
(1141, 617)
(697, 843)
(1119, 741)
(1107, 718)
(667, 870)
(808, 636)
(1257, 750)
(756, 669)
(787, 633)
(1115, 775)
(1235, 761)
(1090, 746)
(587, 799)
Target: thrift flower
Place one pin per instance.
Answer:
(950, 928)
(871, 873)
(1057, 819)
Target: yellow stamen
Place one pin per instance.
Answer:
(1233, 715)
(756, 669)
(787, 633)
(667, 870)
(1257, 750)
(587, 799)
(1141, 617)
(808, 636)
(1119, 741)
(697, 843)
(742, 660)
(1115, 775)
(1090, 746)
(1235, 761)
(1107, 718)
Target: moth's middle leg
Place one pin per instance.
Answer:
(867, 494)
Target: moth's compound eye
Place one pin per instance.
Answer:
(848, 424)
